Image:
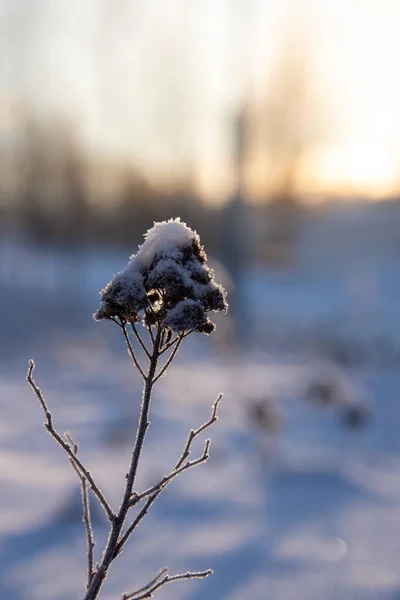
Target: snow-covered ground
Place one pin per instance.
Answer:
(309, 508)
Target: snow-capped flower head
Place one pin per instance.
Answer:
(167, 282)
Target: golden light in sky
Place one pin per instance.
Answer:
(158, 82)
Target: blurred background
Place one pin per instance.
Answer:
(273, 129)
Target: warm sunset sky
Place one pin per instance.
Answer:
(158, 81)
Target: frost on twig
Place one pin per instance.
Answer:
(168, 289)
(159, 581)
(86, 512)
(66, 446)
(181, 465)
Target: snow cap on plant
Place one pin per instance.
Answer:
(166, 282)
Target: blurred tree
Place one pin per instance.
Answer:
(34, 170)
(54, 196)
(234, 239)
(292, 125)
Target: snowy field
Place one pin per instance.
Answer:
(297, 506)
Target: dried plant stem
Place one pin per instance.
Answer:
(170, 289)
(141, 342)
(161, 572)
(170, 359)
(86, 514)
(117, 538)
(161, 486)
(147, 593)
(167, 478)
(131, 351)
(112, 550)
(195, 432)
(66, 446)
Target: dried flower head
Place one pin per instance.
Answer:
(166, 282)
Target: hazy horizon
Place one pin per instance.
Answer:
(158, 84)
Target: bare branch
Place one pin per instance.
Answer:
(195, 432)
(170, 359)
(162, 572)
(116, 321)
(188, 465)
(156, 320)
(131, 352)
(150, 332)
(86, 513)
(167, 579)
(66, 446)
(143, 512)
(172, 342)
(181, 462)
(141, 342)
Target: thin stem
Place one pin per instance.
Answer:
(195, 432)
(162, 572)
(89, 531)
(142, 513)
(141, 342)
(148, 325)
(86, 513)
(65, 446)
(131, 352)
(167, 478)
(170, 359)
(167, 579)
(172, 342)
(158, 489)
(144, 418)
(112, 548)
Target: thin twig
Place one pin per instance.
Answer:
(167, 579)
(136, 498)
(170, 359)
(162, 572)
(195, 432)
(66, 447)
(116, 321)
(131, 352)
(142, 513)
(141, 342)
(172, 342)
(186, 453)
(86, 513)
(148, 324)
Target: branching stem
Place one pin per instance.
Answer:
(117, 538)
(159, 488)
(131, 351)
(166, 579)
(112, 549)
(66, 446)
(170, 359)
(141, 342)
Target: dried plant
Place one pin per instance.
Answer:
(168, 288)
